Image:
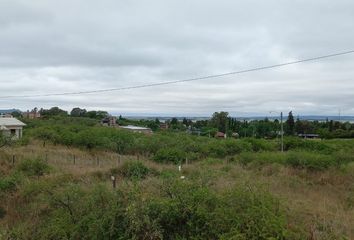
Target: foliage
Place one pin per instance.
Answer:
(33, 167)
(174, 210)
(133, 170)
(169, 155)
(9, 183)
(290, 124)
(54, 111)
(220, 120)
(311, 161)
(5, 140)
(293, 143)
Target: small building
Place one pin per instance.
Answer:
(6, 115)
(109, 121)
(10, 126)
(31, 114)
(137, 129)
(220, 135)
(164, 126)
(309, 135)
(235, 135)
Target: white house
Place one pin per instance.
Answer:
(11, 127)
(137, 129)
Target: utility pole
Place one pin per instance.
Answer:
(282, 131)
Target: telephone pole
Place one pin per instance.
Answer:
(281, 130)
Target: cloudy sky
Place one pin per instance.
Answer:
(81, 45)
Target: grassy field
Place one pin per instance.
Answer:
(64, 192)
(56, 183)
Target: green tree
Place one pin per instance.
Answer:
(220, 120)
(290, 124)
(16, 114)
(174, 121)
(54, 111)
(299, 128)
(78, 112)
(97, 114)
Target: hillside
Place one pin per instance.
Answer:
(57, 184)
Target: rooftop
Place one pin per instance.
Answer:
(4, 121)
(134, 127)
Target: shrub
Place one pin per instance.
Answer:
(256, 215)
(235, 147)
(33, 167)
(261, 144)
(133, 170)
(189, 211)
(293, 143)
(174, 209)
(261, 158)
(169, 155)
(216, 149)
(311, 161)
(9, 183)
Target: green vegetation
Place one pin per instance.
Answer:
(227, 189)
(33, 167)
(62, 207)
(221, 121)
(132, 170)
(176, 147)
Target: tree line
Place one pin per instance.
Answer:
(223, 122)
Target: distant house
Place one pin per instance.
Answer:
(31, 114)
(193, 130)
(137, 129)
(6, 115)
(309, 135)
(220, 135)
(10, 126)
(235, 135)
(163, 126)
(109, 121)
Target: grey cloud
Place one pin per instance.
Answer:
(49, 46)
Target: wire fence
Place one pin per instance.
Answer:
(67, 157)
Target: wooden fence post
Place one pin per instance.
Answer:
(118, 160)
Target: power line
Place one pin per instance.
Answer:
(183, 80)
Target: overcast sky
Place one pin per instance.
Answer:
(81, 45)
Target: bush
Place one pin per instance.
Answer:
(132, 170)
(169, 155)
(190, 211)
(293, 143)
(261, 144)
(9, 183)
(33, 167)
(173, 209)
(236, 146)
(311, 161)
